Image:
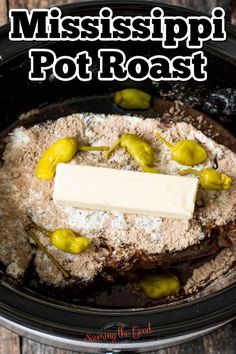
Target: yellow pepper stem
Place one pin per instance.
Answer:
(170, 146)
(112, 149)
(93, 148)
(40, 229)
(28, 230)
(190, 170)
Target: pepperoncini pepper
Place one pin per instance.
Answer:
(67, 241)
(157, 286)
(138, 148)
(63, 239)
(29, 230)
(132, 99)
(62, 151)
(185, 152)
(210, 179)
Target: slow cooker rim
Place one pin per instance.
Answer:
(123, 311)
(45, 318)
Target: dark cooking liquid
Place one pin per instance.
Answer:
(110, 295)
(102, 294)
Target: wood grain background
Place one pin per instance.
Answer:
(221, 341)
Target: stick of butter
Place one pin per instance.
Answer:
(126, 191)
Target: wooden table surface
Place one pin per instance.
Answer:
(221, 341)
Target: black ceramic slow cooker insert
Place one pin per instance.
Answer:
(59, 321)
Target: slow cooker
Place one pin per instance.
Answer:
(60, 323)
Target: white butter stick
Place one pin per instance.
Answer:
(126, 191)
